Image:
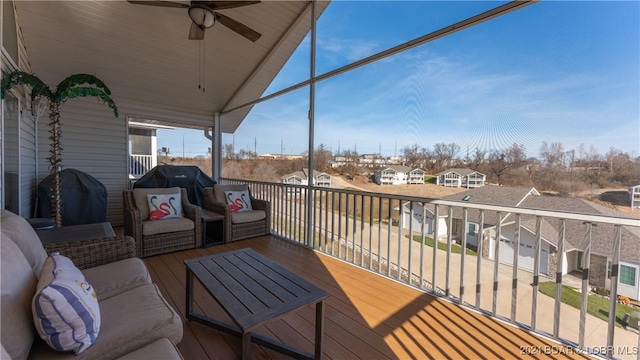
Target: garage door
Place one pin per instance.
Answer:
(525, 256)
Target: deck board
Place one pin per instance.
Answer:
(366, 316)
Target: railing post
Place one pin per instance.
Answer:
(434, 265)
(479, 260)
(496, 262)
(559, 269)
(613, 294)
(514, 274)
(586, 260)
(536, 273)
(463, 251)
(447, 287)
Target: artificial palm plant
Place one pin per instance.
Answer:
(78, 85)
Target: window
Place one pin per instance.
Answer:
(627, 275)
(473, 229)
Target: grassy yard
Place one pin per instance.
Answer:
(455, 249)
(596, 305)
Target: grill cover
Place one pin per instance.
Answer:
(188, 177)
(84, 199)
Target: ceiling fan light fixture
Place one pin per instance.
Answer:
(202, 16)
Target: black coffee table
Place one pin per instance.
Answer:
(253, 290)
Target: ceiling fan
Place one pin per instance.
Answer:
(203, 15)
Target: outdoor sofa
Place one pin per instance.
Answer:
(136, 321)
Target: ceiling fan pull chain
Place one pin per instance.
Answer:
(204, 65)
(200, 66)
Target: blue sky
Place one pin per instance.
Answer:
(554, 71)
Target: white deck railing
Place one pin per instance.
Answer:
(367, 230)
(141, 164)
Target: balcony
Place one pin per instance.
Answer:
(366, 317)
(384, 303)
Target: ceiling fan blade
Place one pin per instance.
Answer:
(238, 27)
(221, 5)
(195, 33)
(160, 3)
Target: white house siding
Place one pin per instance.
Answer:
(95, 142)
(27, 165)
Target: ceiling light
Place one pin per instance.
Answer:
(202, 16)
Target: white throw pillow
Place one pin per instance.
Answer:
(239, 201)
(164, 206)
(65, 307)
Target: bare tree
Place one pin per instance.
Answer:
(479, 157)
(552, 155)
(516, 155)
(411, 155)
(498, 165)
(322, 158)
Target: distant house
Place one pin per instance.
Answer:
(320, 179)
(143, 148)
(465, 178)
(398, 175)
(634, 196)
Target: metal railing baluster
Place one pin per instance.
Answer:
(463, 250)
(479, 260)
(558, 300)
(613, 296)
(514, 267)
(586, 260)
(536, 274)
(496, 262)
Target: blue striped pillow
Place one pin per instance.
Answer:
(65, 308)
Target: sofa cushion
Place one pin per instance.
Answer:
(166, 226)
(116, 277)
(65, 307)
(19, 230)
(248, 216)
(130, 320)
(164, 206)
(159, 349)
(140, 197)
(18, 286)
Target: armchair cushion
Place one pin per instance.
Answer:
(247, 216)
(166, 226)
(140, 198)
(218, 191)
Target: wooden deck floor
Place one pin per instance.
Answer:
(366, 317)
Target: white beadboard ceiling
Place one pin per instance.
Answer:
(143, 55)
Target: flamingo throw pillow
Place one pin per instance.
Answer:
(164, 206)
(238, 201)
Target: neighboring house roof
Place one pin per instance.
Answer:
(303, 174)
(601, 236)
(459, 171)
(398, 168)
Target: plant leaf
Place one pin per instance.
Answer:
(80, 79)
(80, 91)
(22, 78)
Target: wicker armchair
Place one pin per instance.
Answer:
(237, 227)
(179, 234)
